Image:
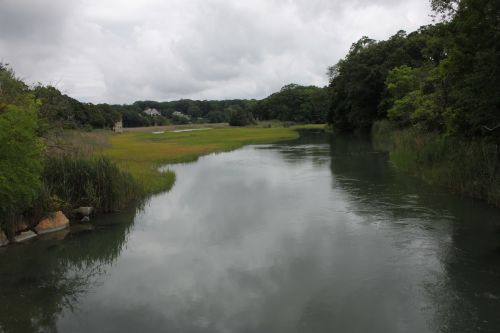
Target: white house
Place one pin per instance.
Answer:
(152, 112)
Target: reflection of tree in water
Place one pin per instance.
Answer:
(39, 280)
(464, 234)
(312, 145)
(466, 297)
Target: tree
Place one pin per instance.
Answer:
(294, 103)
(473, 66)
(358, 94)
(20, 147)
(216, 117)
(239, 117)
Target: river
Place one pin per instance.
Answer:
(321, 234)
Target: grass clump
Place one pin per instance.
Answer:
(98, 182)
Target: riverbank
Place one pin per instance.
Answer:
(468, 167)
(107, 170)
(142, 152)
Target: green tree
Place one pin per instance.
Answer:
(357, 83)
(239, 117)
(216, 117)
(20, 147)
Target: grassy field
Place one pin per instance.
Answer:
(141, 152)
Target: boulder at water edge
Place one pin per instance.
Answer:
(3, 239)
(53, 223)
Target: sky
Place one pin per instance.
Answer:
(120, 51)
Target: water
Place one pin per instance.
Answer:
(317, 235)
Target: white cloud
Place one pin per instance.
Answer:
(119, 51)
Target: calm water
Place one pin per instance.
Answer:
(317, 235)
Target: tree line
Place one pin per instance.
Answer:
(292, 103)
(442, 78)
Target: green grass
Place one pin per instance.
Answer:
(142, 153)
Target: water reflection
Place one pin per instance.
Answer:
(316, 235)
(41, 279)
(458, 237)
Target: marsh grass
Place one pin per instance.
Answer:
(82, 143)
(470, 167)
(98, 182)
(107, 170)
(142, 153)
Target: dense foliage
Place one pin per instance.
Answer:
(34, 182)
(294, 103)
(20, 147)
(240, 117)
(439, 116)
(63, 111)
(443, 77)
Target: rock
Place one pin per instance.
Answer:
(85, 219)
(3, 239)
(54, 223)
(24, 236)
(84, 211)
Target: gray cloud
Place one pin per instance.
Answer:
(119, 51)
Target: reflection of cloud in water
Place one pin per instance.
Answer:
(284, 237)
(250, 240)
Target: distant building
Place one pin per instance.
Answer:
(118, 127)
(152, 112)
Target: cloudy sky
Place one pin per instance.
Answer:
(119, 51)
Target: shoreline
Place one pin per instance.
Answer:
(146, 155)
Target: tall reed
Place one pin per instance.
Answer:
(96, 182)
(466, 166)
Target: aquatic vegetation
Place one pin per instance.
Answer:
(142, 153)
(96, 182)
(469, 167)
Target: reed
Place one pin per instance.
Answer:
(465, 166)
(97, 182)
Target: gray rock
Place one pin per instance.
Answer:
(3, 239)
(24, 236)
(85, 219)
